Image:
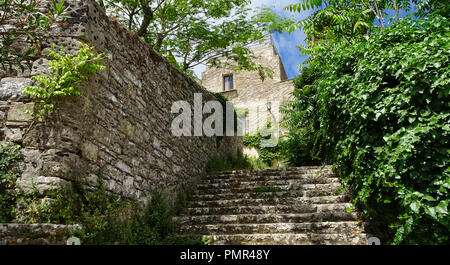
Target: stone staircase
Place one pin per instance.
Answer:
(304, 205)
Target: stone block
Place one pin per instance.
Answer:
(11, 88)
(62, 164)
(42, 184)
(89, 151)
(41, 67)
(17, 112)
(13, 135)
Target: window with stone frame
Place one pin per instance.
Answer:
(228, 82)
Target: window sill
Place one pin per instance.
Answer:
(226, 91)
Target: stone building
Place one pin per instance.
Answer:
(256, 101)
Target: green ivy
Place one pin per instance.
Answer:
(266, 154)
(380, 109)
(68, 71)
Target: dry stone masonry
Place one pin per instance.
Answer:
(120, 128)
(307, 207)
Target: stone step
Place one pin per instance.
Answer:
(291, 239)
(276, 228)
(272, 209)
(261, 195)
(272, 201)
(291, 187)
(292, 172)
(286, 175)
(288, 169)
(268, 218)
(309, 207)
(234, 183)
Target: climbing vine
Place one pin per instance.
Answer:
(67, 73)
(267, 154)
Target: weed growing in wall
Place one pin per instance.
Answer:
(68, 71)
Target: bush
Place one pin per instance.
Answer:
(155, 225)
(267, 154)
(257, 163)
(107, 219)
(9, 154)
(229, 163)
(305, 144)
(104, 217)
(380, 110)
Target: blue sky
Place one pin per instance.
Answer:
(286, 43)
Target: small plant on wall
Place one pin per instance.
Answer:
(67, 73)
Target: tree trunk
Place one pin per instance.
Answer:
(148, 16)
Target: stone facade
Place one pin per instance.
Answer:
(120, 128)
(257, 100)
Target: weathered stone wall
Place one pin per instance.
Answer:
(265, 55)
(120, 128)
(36, 234)
(255, 98)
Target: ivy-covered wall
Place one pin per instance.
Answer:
(119, 129)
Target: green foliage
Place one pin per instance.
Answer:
(194, 32)
(348, 21)
(302, 121)
(182, 199)
(433, 7)
(107, 219)
(269, 189)
(68, 71)
(257, 163)
(155, 225)
(229, 163)
(267, 154)
(9, 154)
(104, 217)
(380, 109)
(238, 162)
(24, 24)
(334, 20)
